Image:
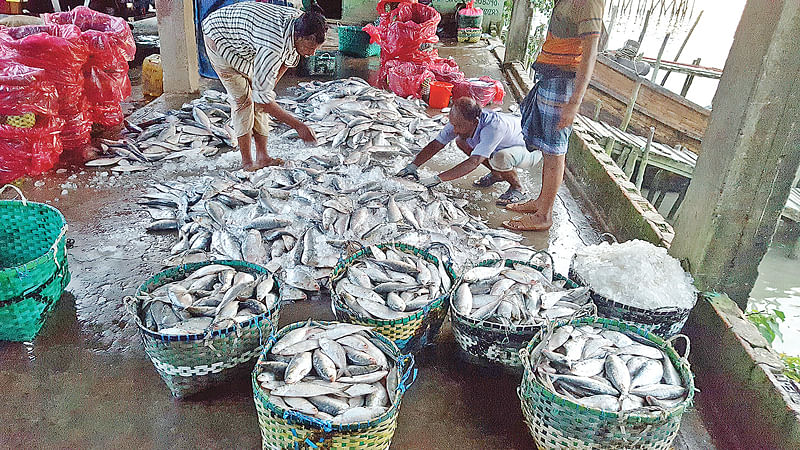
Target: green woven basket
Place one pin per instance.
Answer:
(410, 333)
(557, 423)
(490, 343)
(192, 363)
(282, 429)
(354, 41)
(33, 266)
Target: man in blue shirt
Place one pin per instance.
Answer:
(489, 138)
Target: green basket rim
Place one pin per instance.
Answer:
(49, 254)
(154, 282)
(682, 367)
(515, 329)
(341, 268)
(260, 396)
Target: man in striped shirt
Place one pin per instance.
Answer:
(563, 71)
(250, 45)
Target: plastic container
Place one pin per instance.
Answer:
(152, 76)
(354, 41)
(440, 94)
(469, 34)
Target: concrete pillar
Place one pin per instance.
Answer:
(519, 29)
(178, 45)
(749, 156)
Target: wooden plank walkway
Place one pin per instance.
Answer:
(792, 209)
(679, 161)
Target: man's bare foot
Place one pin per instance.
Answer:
(529, 222)
(250, 167)
(268, 161)
(530, 206)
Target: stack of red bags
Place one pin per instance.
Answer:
(29, 126)
(111, 45)
(61, 53)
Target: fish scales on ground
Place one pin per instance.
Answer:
(514, 296)
(594, 367)
(324, 381)
(213, 297)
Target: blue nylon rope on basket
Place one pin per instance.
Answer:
(313, 445)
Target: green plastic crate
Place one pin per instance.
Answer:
(354, 41)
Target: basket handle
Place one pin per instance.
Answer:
(21, 195)
(409, 372)
(609, 235)
(552, 263)
(444, 246)
(688, 345)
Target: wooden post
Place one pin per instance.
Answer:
(630, 163)
(689, 79)
(613, 21)
(519, 30)
(176, 32)
(598, 105)
(631, 103)
(623, 156)
(610, 145)
(645, 159)
(658, 58)
(680, 50)
(644, 27)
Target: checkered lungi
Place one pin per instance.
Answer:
(541, 111)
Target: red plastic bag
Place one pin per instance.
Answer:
(107, 114)
(484, 90)
(22, 91)
(29, 151)
(58, 49)
(470, 10)
(77, 130)
(404, 29)
(405, 79)
(446, 70)
(106, 36)
(105, 85)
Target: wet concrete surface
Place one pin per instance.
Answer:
(85, 382)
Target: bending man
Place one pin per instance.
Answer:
(489, 138)
(250, 45)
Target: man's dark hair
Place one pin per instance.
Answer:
(311, 24)
(467, 108)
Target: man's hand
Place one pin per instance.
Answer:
(409, 171)
(568, 113)
(306, 134)
(431, 181)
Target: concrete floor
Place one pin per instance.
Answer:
(86, 382)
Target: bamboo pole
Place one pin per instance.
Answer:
(644, 27)
(658, 58)
(680, 50)
(645, 159)
(598, 105)
(604, 43)
(689, 79)
(631, 103)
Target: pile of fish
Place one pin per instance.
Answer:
(361, 120)
(306, 211)
(213, 297)
(200, 127)
(608, 370)
(391, 284)
(336, 373)
(518, 295)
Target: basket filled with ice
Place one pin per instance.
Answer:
(636, 282)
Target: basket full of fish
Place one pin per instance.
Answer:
(330, 385)
(636, 282)
(500, 305)
(399, 290)
(203, 323)
(598, 383)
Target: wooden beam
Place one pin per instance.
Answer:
(645, 159)
(630, 163)
(689, 79)
(658, 58)
(631, 103)
(519, 29)
(598, 105)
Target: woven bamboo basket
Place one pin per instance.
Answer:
(664, 322)
(410, 333)
(488, 343)
(281, 429)
(192, 363)
(33, 266)
(558, 423)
